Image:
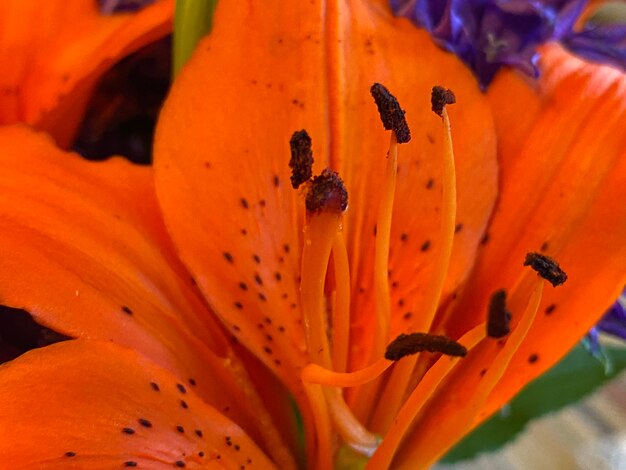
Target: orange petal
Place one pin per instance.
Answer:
(84, 251)
(375, 47)
(54, 52)
(89, 404)
(563, 186)
(226, 196)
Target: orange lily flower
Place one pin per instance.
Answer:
(153, 381)
(54, 52)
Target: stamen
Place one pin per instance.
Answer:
(405, 345)
(399, 380)
(391, 114)
(327, 193)
(349, 428)
(314, 373)
(301, 162)
(426, 388)
(440, 98)
(499, 316)
(547, 268)
(341, 312)
(321, 419)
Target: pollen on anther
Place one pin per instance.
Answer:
(498, 317)
(327, 193)
(406, 345)
(391, 114)
(301, 162)
(440, 97)
(546, 267)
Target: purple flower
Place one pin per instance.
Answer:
(487, 34)
(108, 7)
(613, 323)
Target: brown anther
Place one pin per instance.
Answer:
(547, 268)
(391, 114)
(439, 98)
(498, 317)
(327, 192)
(405, 345)
(301, 162)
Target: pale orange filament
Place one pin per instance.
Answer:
(396, 387)
(316, 374)
(381, 257)
(349, 428)
(428, 448)
(341, 312)
(320, 231)
(323, 430)
(383, 456)
(362, 401)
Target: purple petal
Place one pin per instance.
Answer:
(488, 34)
(108, 7)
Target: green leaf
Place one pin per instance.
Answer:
(193, 20)
(577, 375)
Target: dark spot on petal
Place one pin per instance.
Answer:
(244, 232)
(276, 181)
(550, 308)
(184, 404)
(430, 183)
(533, 358)
(407, 315)
(281, 329)
(244, 203)
(180, 429)
(404, 237)
(192, 382)
(401, 303)
(278, 276)
(238, 305)
(228, 257)
(130, 463)
(198, 432)
(458, 228)
(128, 430)
(200, 454)
(262, 297)
(181, 388)
(485, 239)
(179, 463)
(236, 328)
(267, 350)
(236, 446)
(70, 454)
(544, 247)
(144, 422)
(243, 286)
(286, 248)
(155, 386)
(256, 259)
(262, 203)
(483, 372)
(126, 310)
(228, 441)
(425, 246)
(258, 279)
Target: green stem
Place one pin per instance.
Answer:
(193, 20)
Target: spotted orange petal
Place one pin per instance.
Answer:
(85, 252)
(54, 52)
(89, 404)
(563, 181)
(226, 197)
